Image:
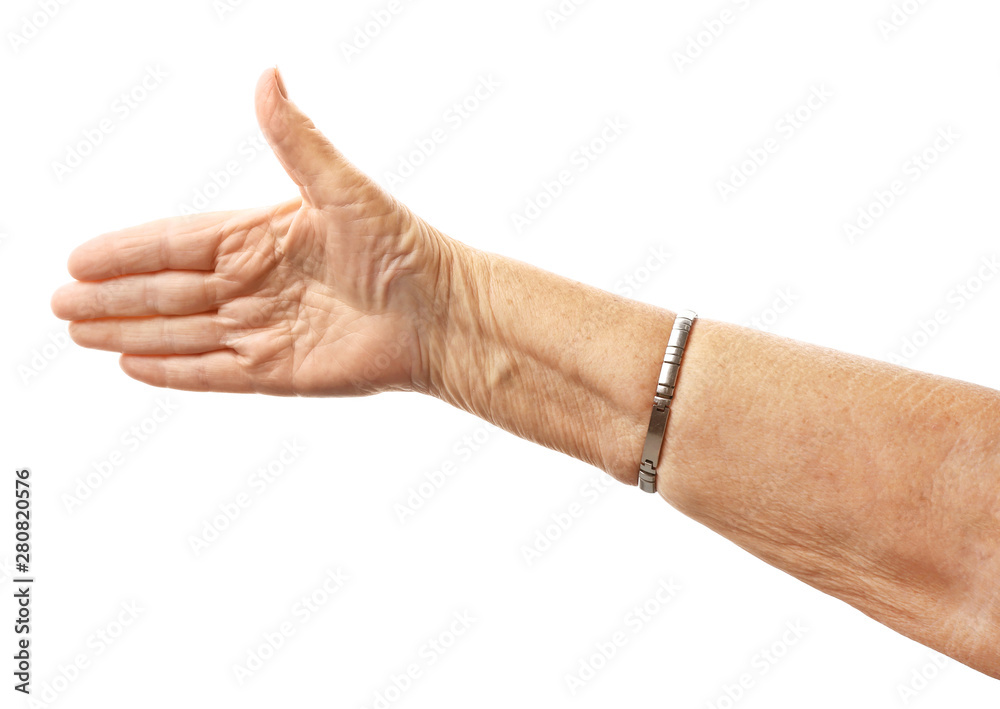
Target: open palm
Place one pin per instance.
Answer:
(321, 295)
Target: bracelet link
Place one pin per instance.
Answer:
(665, 388)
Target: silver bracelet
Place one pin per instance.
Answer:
(662, 399)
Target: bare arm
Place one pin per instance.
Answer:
(873, 483)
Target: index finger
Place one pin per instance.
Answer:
(183, 243)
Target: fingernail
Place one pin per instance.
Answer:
(281, 83)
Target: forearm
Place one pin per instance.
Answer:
(552, 360)
(874, 483)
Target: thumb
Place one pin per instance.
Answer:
(324, 176)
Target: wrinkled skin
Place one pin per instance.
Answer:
(325, 294)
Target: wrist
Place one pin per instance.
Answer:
(459, 342)
(557, 362)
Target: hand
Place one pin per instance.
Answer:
(326, 294)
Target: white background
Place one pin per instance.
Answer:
(67, 410)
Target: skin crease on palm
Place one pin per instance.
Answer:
(829, 466)
(294, 299)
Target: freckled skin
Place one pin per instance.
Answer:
(876, 484)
